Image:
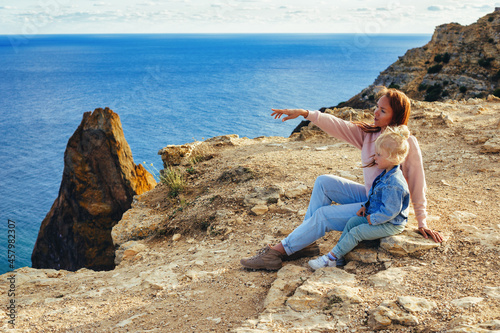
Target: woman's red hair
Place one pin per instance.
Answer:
(401, 108)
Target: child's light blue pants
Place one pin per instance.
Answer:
(357, 229)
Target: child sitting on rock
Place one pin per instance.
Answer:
(386, 211)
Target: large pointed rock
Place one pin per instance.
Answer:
(98, 184)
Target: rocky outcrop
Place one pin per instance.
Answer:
(177, 259)
(191, 153)
(99, 182)
(459, 62)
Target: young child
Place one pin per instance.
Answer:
(386, 211)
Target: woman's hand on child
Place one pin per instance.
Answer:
(290, 113)
(426, 232)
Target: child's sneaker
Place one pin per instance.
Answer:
(340, 262)
(322, 262)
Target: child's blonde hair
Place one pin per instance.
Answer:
(394, 140)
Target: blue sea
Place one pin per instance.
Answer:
(167, 89)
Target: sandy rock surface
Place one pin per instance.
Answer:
(179, 257)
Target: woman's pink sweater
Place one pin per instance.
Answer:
(412, 167)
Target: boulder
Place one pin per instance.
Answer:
(136, 223)
(128, 250)
(263, 196)
(289, 278)
(236, 175)
(408, 241)
(225, 140)
(367, 256)
(177, 154)
(318, 291)
(389, 313)
(99, 182)
(491, 146)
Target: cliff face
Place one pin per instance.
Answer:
(97, 187)
(459, 62)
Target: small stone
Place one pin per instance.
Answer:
(463, 216)
(391, 276)
(378, 319)
(128, 251)
(301, 213)
(348, 175)
(492, 292)
(416, 304)
(466, 301)
(383, 256)
(176, 237)
(446, 118)
(479, 110)
(491, 146)
(296, 192)
(260, 209)
(491, 325)
(351, 267)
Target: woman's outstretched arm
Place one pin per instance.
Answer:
(290, 113)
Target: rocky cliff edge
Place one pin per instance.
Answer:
(459, 62)
(178, 257)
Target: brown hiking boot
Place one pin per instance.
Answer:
(311, 250)
(266, 258)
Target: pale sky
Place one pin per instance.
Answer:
(25, 17)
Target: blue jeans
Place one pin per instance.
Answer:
(321, 215)
(357, 229)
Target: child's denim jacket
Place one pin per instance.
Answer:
(389, 198)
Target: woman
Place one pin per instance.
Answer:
(393, 109)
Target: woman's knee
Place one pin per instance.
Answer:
(319, 218)
(323, 179)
